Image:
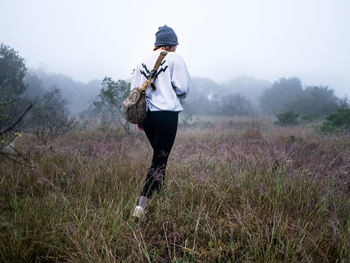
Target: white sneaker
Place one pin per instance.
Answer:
(139, 211)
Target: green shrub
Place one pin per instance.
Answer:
(337, 122)
(309, 117)
(287, 118)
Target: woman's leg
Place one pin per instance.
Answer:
(149, 128)
(160, 128)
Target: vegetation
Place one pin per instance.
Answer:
(26, 106)
(237, 190)
(50, 116)
(13, 106)
(276, 98)
(337, 122)
(320, 101)
(210, 98)
(108, 105)
(309, 117)
(231, 195)
(12, 71)
(234, 104)
(78, 95)
(288, 94)
(287, 118)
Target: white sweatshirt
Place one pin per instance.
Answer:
(172, 81)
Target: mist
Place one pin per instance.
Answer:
(221, 40)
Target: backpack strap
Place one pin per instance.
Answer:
(158, 62)
(154, 71)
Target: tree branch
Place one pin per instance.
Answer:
(18, 121)
(9, 102)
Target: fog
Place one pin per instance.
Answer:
(219, 40)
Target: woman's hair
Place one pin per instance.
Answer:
(167, 48)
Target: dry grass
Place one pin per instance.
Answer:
(236, 191)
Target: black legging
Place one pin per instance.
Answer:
(160, 128)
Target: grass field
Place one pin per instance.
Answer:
(235, 191)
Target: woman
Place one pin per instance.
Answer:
(170, 82)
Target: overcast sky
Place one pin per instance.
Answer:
(219, 39)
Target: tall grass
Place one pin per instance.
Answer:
(235, 191)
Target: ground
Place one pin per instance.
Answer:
(240, 190)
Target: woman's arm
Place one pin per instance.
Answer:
(180, 78)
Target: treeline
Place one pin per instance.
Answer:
(239, 96)
(245, 96)
(48, 104)
(288, 94)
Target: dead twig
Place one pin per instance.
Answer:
(15, 161)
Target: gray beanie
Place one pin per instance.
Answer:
(165, 36)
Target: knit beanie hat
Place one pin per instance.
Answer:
(165, 36)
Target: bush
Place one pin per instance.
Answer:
(50, 116)
(108, 105)
(287, 118)
(309, 117)
(337, 122)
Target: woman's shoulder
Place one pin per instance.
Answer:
(174, 55)
(175, 58)
(171, 57)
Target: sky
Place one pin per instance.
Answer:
(220, 40)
